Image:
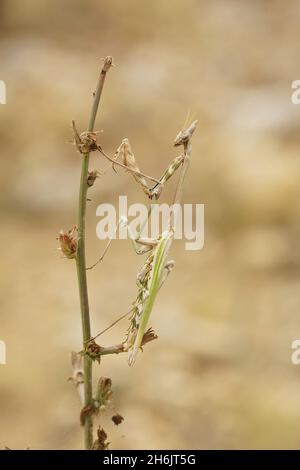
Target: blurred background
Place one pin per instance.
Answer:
(220, 374)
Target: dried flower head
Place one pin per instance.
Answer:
(101, 441)
(148, 336)
(93, 350)
(92, 176)
(86, 142)
(68, 243)
(85, 412)
(117, 419)
(104, 392)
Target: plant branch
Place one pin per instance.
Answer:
(81, 259)
(116, 349)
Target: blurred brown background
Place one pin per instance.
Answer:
(220, 375)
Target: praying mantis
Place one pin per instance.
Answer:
(157, 266)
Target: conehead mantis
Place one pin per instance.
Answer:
(156, 267)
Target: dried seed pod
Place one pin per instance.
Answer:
(92, 176)
(86, 142)
(93, 350)
(104, 392)
(148, 336)
(117, 419)
(85, 412)
(101, 442)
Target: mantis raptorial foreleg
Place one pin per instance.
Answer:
(128, 159)
(125, 152)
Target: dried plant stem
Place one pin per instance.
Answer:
(116, 349)
(81, 259)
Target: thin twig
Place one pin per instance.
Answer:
(111, 325)
(106, 247)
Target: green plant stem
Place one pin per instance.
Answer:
(81, 260)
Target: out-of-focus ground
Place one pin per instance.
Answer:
(220, 375)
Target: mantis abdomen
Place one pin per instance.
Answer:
(151, 289)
